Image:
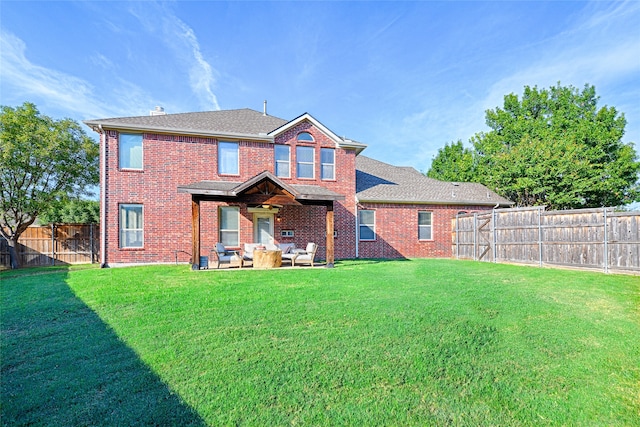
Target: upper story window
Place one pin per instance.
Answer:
(283, 161)
(228, 158)
(131, 226)
(305, 162)
(328, 163)
(367, 224)
(425, 227)
(305, 137)
(130, 150)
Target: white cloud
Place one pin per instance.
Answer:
(54, 87)
(183, 41)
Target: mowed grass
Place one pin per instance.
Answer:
(418, 342)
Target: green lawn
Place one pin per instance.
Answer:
(419, 342)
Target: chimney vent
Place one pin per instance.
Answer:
(159, 111)
(264, 111)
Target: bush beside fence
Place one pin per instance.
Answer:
(583, 238)
(55, 245)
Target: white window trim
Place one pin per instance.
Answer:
(429, 226)
(237, 158)
(312, 163)
(129, 168)
(373, 227)
(220, 229)
(288, 147)
(121, 228)
(333, 151)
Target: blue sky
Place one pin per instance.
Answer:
(403, 77)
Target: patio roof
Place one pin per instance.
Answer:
(259, 187)
(264, 188)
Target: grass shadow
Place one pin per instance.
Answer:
(62, 365)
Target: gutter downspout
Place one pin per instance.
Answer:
(103, 197)
(357, 231)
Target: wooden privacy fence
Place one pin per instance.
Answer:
(583, 238)
(55, 245)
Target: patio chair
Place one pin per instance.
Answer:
(224, 255)
(288, 252)
(306, 256)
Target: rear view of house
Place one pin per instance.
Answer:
(176, 184)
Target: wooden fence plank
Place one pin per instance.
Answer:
(577, 238)
(69, 244)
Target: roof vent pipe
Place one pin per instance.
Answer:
(264, 111)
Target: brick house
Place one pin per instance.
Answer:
(175, 184)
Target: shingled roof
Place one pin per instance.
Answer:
(384, 183)
(243, 122)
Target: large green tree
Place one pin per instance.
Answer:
(73, 211)
(42, 162)
(552, 147)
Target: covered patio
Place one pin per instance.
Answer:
(262, 192)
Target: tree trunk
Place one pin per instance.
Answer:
(13, 254)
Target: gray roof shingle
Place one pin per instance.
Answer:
(241, 122)
(381, 182)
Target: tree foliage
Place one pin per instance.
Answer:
(72, 212)
(453, 163)
(553, 147)
(42, 162)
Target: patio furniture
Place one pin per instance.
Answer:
(247, 253)
(228, 256)
(267, 258)
(288, 252)
(306, 256)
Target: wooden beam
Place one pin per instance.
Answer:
(330, 240)
(267, 199)
(195, 233)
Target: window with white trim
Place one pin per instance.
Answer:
(228, 158)
(367, 224)
(283, 161)
(130, 150)
(229, 225)
(425, 227)
(305, 137)
(305, 162)
(131, 226)
(327, 163)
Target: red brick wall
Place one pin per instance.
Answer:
(396, 227)
(173, 160)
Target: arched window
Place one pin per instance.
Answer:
(305, 137)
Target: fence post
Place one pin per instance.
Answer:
(494, 226)
(605, 255)
(53, 244)
(91, 241)
(540, 235)
(457, 237)
(475, 231)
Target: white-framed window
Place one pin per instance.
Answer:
(305, 162)
(131, 226)
(367, 224)
(229, 225)
(328, 163)
(130, 150)
(228, 158)
(305, 137)
(283, 161)
(425, 225)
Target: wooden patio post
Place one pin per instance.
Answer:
(330, 245)
(195, 233)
